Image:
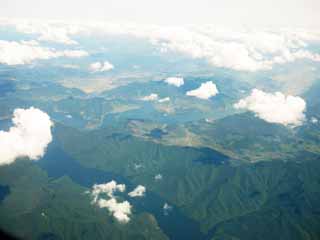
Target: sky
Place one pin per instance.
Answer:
(261, 13)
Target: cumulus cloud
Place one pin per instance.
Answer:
(139, 191)
(175, 81)
(28, 137)
(16, 53)
(108, 188)
(119, 210)
(205, 91)
(151, 97)
(275, 107)
(101, 66)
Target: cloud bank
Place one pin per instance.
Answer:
(275, 107)
(237, 49)
(139, 191)
(29, 136)
(205, 91)
(17, 53)
(175, 81)
(101, 66)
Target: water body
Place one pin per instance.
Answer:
(4, 191)
(175, 225)
(6, 86)
(157, 133)
(211, 157)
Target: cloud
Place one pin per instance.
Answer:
(239, 49)
(28, 137)
(101, 66)
(175, 81)
(314, 120)
(205, 91)
(119, 210)
(48, 31)
(158, 177)
(166, 209)
(151, 97)
(108, 188)
(275, 107)
(166, 99)
(56, 35)
(16, 53)
(139, 191)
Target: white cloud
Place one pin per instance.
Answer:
(139, 191)
(151, 97)
(275, 107)
(28, 137)
(16, 53)
(158, 177)
(107, 188)
(314, 120)
(205, 91)
(236, 49)
(120, 210)
(57, 35)
(52, 31)
(101, 66)
(241, 50)
(166, 208)
(166, 99)
(175, 81)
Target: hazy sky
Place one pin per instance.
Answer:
(284, 13)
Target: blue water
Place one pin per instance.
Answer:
(175, 225)
(4, 191)
(157, 133)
